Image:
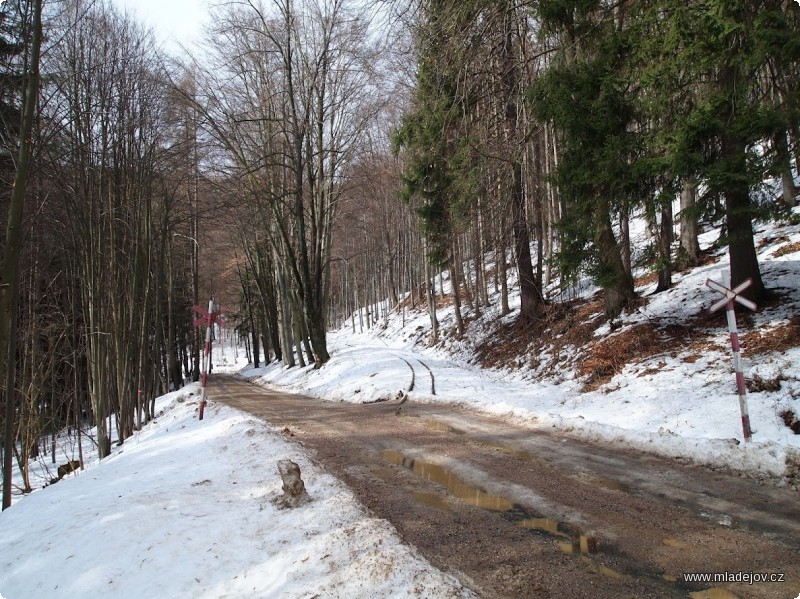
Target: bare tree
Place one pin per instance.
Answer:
(9, 281)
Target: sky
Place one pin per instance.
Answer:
(174, 22)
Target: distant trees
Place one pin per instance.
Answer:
(287, 98)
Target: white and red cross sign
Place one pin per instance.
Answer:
(209, 318)
(731, 296)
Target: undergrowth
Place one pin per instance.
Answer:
(565, 337)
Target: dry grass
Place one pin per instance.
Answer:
(779, 338)
(564, 337)
(559, 326)
(757, 384)
(568, 329)
(645, 280)
(788, 249)
(790, 420)
(609, 356)
(417, 299)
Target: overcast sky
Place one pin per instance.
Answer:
(174, 21)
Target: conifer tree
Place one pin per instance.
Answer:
(708, 64)
(586, 95)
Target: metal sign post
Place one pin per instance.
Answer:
(208, 318)
(731, 296)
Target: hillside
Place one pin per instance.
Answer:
(660, 378)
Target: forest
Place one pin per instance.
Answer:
(319, 163)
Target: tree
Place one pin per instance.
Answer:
(459, 144)
(9, 278)
(112, 168)
(722, 131)
(289, 128)
(599, 173)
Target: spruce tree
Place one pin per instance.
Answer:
(586, 96)
(710, 69)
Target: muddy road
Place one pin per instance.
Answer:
(519, 513)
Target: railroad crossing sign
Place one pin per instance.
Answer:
(731, 296)
(209, 318)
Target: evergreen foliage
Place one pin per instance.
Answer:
(440, 165)
(601, 169)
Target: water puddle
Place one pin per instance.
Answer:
(522, 454)
(568, 538)
(441, 475)
(611, 485)
(431, 500)
(441, 427)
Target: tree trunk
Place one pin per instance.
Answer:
(529, 293)
(739, 220)
(430, 284)
(785, 164)
(455, 284)
(665, 235)
(10, 273)
(614, 278)
(689, 251)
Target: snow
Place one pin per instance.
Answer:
(183, 509)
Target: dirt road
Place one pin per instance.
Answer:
(519, 513)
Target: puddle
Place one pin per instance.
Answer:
(611, 485)
(568, 540)
(523, 454)
(431, 500)
(441, 475)
(441, 427)
(669, 542)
